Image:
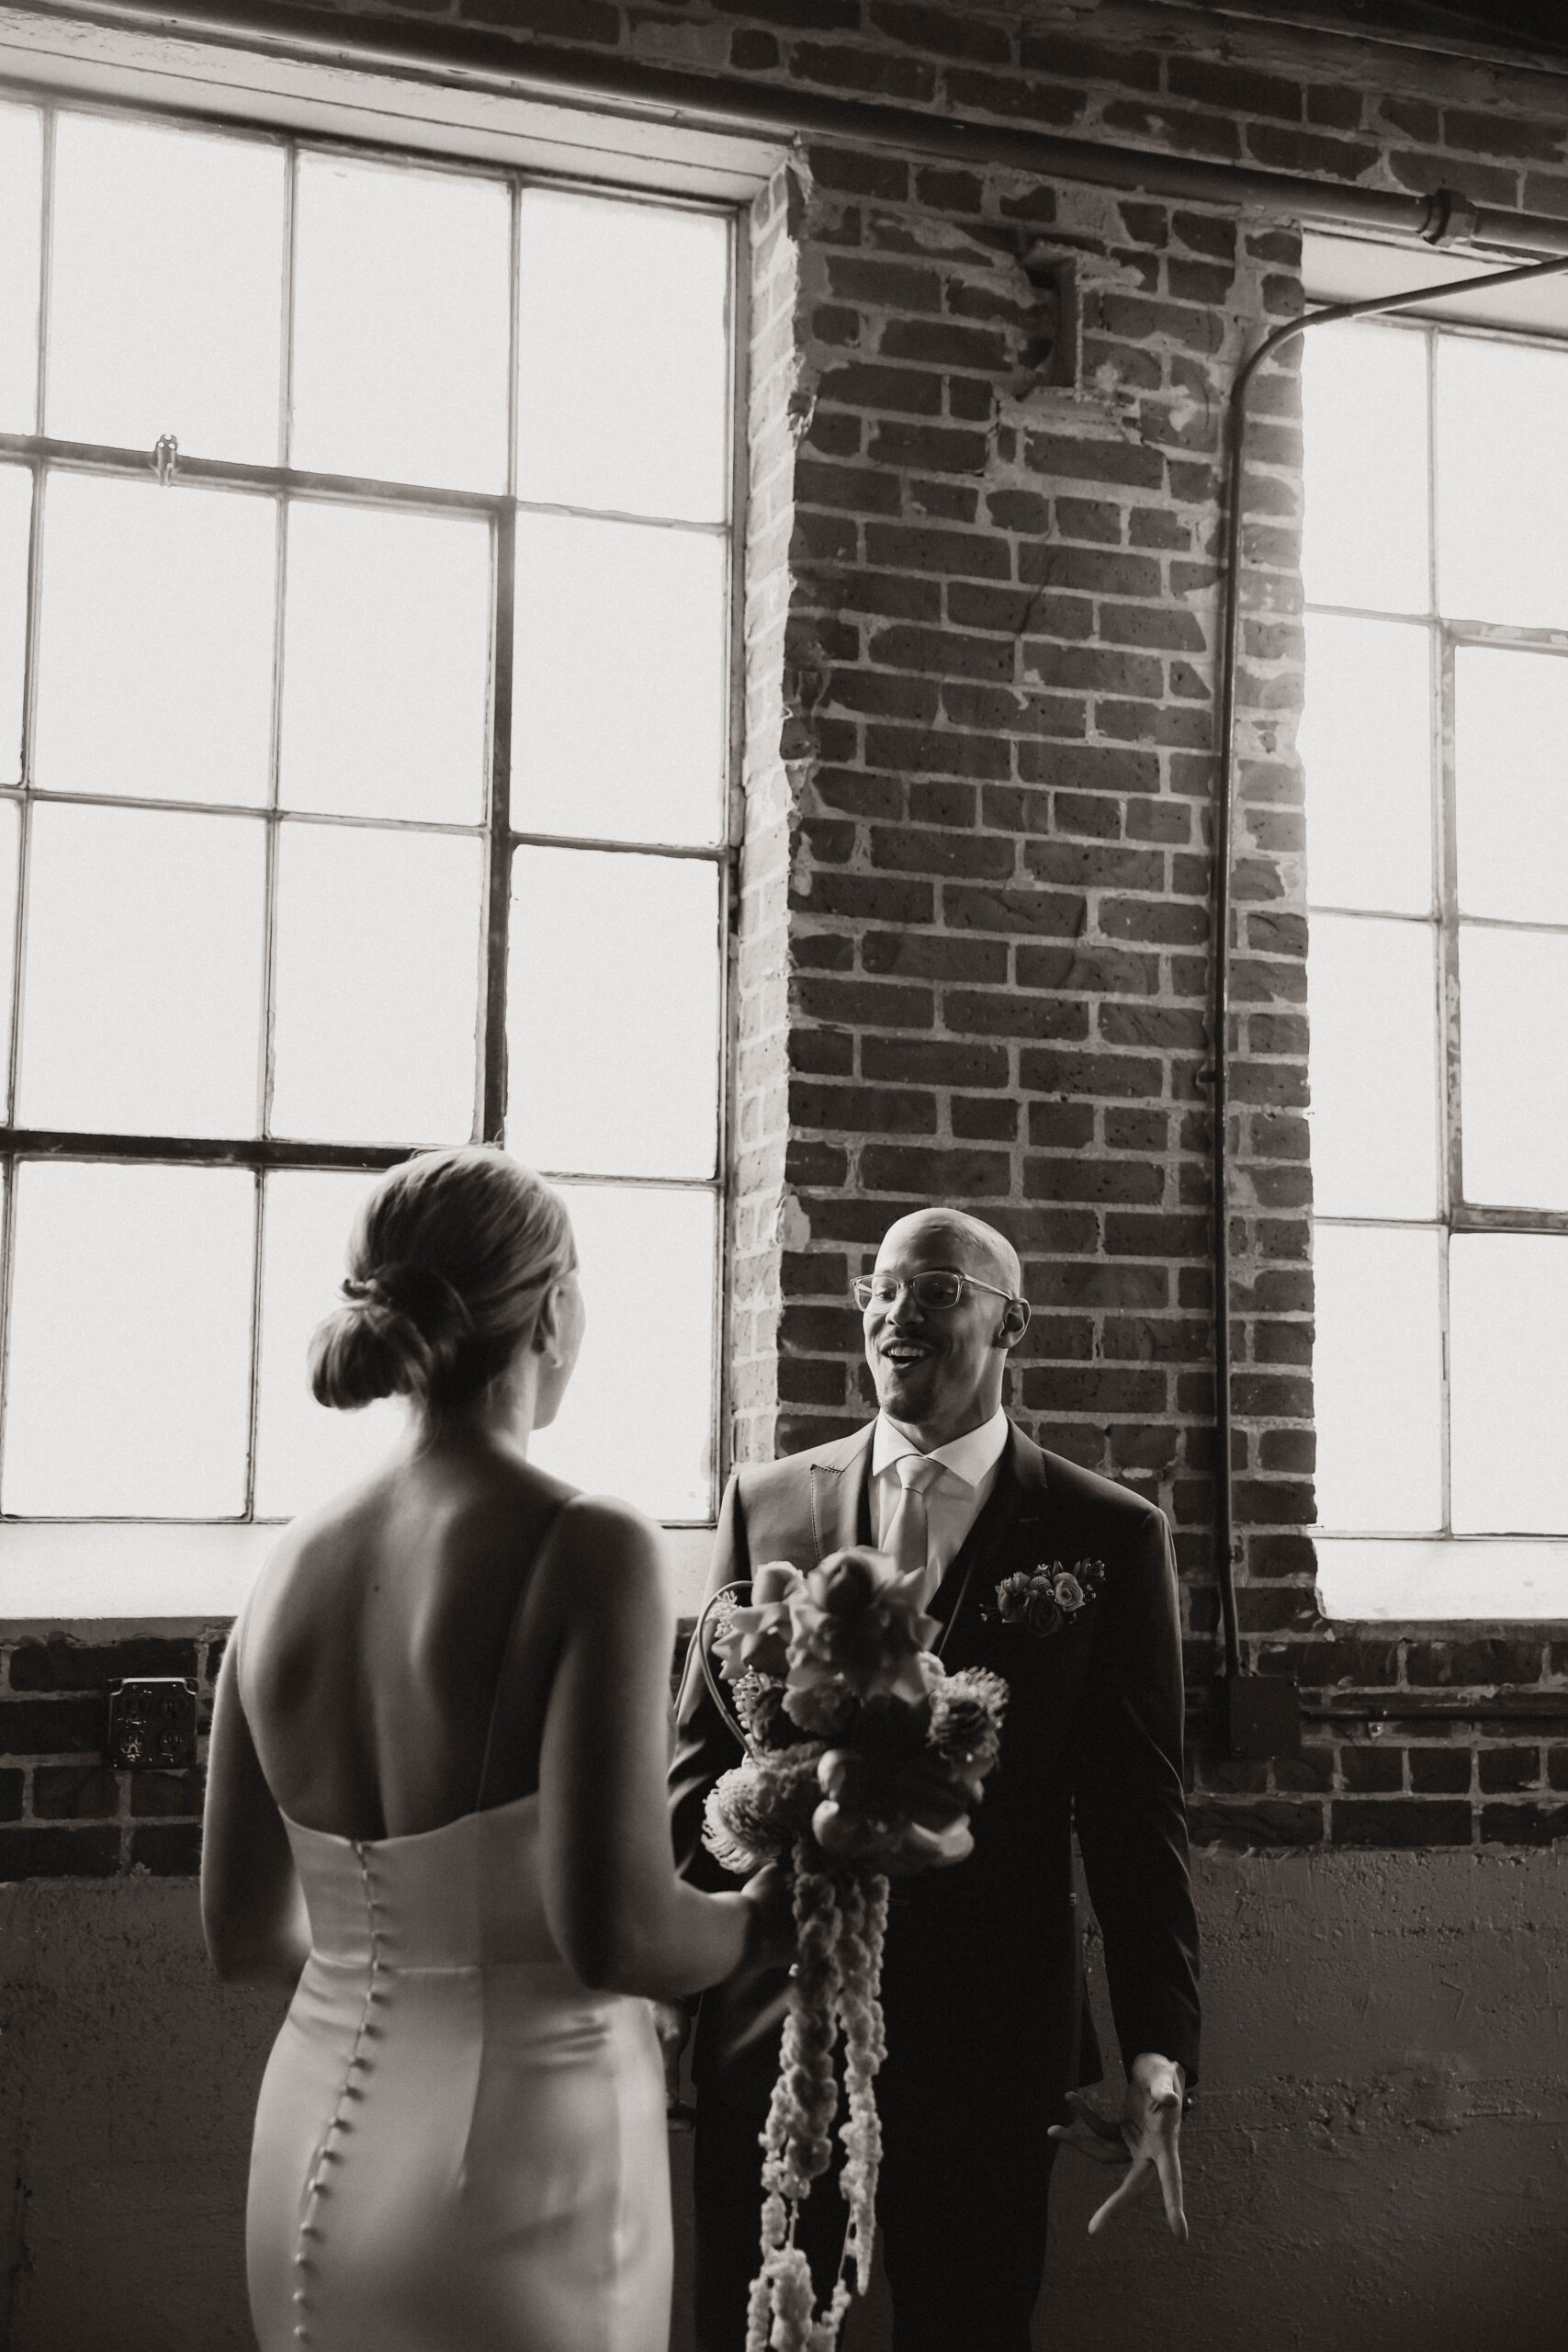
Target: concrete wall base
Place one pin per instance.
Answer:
(1379, 2160)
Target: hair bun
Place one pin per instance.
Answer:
(418, 1294)
(451, 1259)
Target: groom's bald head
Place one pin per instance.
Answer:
(973, 1246)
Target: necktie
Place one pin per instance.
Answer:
(907, 1534)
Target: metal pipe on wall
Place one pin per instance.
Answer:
(1224, 797)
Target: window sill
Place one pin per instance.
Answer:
(149, 1573)
(1491, 1579)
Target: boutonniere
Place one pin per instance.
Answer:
(1045, 1599)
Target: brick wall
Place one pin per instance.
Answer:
(62, 1812)
(972, 960)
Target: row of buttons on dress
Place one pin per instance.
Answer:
(360, 2063)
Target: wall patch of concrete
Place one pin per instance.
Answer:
(128, 2083)
(1378, 2161)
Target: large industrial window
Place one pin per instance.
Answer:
(365, 573)
(1436, 746)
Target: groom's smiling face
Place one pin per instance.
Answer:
(938, 1371)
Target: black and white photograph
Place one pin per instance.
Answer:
(783, 1175)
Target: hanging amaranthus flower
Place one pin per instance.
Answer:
(840, 1656)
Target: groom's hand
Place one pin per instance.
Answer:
(1146, 2140)
(672, 2023)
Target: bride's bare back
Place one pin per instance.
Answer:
(385, 1629)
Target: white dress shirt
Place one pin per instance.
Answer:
(953, 1502)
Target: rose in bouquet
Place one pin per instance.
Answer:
(862, 1756)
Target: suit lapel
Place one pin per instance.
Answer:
(1017, 1502)
(840, 1494)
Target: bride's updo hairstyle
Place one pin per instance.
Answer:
(449, 1262)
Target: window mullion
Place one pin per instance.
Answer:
(1447, 921)
(258, 1268)
(498, 915)
(286, 340)
(1444, 844)
(25, 812)
(269, 910)
(46, 244)
(491, 1075)
(231, 473)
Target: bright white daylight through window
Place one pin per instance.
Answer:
(365, 591)
(1436, 746)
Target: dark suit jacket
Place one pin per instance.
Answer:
(982, 1966)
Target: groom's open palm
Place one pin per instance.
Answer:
(1146, 2140)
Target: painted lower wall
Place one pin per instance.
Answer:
(1378, 2161)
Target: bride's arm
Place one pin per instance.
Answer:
(252, 1913)
(621, 1917)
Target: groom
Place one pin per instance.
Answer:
(987, 2035)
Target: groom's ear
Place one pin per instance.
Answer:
(1015, 1323)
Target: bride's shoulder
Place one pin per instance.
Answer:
(600, 1540)
(605, 1523)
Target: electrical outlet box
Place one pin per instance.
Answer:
(152, 1724)
(1260, 1715)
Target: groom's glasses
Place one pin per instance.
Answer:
(938, 1290)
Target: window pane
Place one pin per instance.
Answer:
(303, 1450)
(637, 1419)
(166, 288)
(16, 523)
(1377, 1379)
(623, 371)
(377, 985)
(10, 840)
(612, 1012)
(1502, 482)
(1364, 415)
(385, 666)
(1366, 742)
(1511, 774)
(1508, 1373)
(155, 649)
(1371, 990)
(1513, 985)
(141, 1013)
(21, 229)
(619, 693)
(402, 323)
(128, 1387)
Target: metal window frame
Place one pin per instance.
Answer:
(264, 1152)
(1447, 636)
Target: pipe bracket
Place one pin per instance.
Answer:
(1452, 219)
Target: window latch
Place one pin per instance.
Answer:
(165, 458)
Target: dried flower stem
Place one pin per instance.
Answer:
(840, 1921)
(865, 1915)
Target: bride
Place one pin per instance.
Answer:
(435, 1809)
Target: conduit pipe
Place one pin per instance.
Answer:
(1255, 1719)
(469, 58)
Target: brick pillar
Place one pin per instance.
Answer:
(760, 1170)
(980, 762)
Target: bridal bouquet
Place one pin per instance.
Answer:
(863, 1754)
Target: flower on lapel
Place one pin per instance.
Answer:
(1045, 1599)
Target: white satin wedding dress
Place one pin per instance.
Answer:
(458, 2148)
